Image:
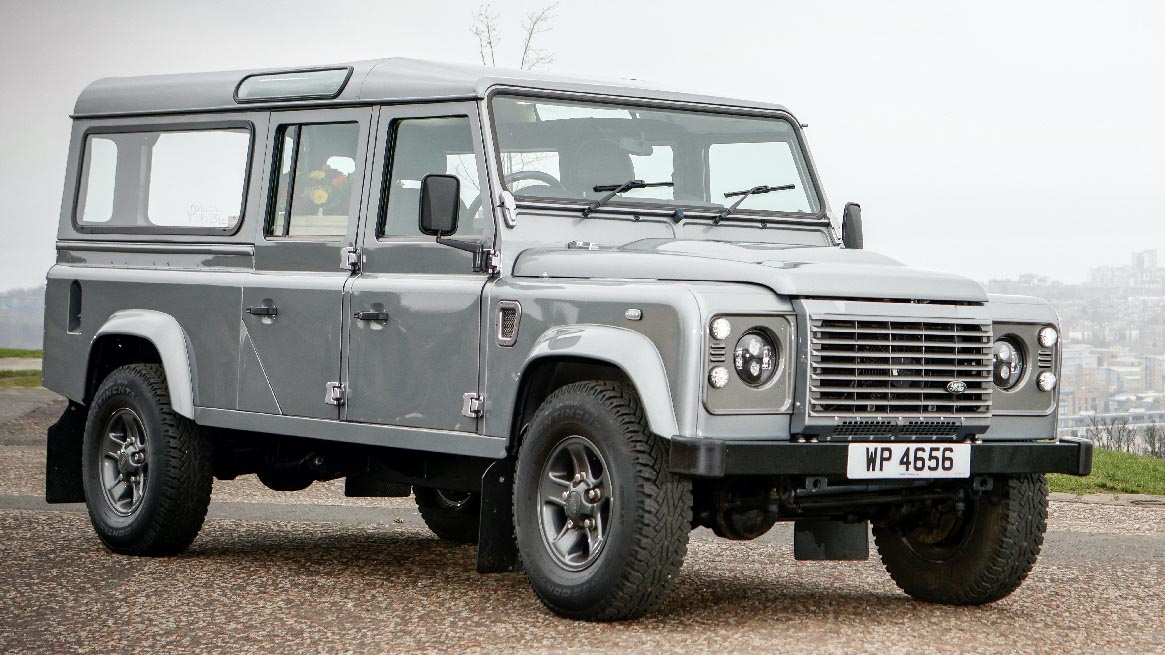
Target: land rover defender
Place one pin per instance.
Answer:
(575, 319)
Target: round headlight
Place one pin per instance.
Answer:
(1049, 336)
(755, 358)
(718, 377)
(720, 329)
(1046, 381)
(1007, 362)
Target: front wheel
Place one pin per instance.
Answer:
(602, 524)
(974, 556)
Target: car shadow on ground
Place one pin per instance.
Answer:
(375, 561)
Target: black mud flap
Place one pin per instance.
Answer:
(820, 539)
(63, 457)
(497, 549)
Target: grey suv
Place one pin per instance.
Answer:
(575, 319)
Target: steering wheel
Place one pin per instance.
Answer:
(521, 176)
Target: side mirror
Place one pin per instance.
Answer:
(851, 226)
(440, 204)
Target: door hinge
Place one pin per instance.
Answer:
(491, 261)
(472, 405)
(337, 394)
(350, 259)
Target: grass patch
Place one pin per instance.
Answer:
(1113, 472)
(19, 379)
(17, 352)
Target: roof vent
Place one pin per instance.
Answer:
(311, 84)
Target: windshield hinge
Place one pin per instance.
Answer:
(472, 405)
(337, 394)
(350, 259)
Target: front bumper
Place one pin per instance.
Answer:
(717, 458)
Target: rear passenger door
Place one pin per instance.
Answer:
(292, 303)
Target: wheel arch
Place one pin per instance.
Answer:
(143, 335)
(564, 355)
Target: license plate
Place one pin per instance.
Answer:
(900, 460)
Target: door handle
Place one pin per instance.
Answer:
(370, 316)
(263, 310)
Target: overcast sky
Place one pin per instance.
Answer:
(987, 138)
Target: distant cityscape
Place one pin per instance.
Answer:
(1113, 328)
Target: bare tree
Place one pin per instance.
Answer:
(487, 28)
(1154, 440)
(537, 22)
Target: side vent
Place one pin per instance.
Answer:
(509, 316)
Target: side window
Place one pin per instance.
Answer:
(315, 181)
(100, 179)
(172, 180)
(421, 146)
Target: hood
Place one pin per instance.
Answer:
(814, 272)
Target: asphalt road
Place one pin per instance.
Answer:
(312, 572)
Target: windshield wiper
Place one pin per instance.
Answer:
(616, 189)
(764, 188)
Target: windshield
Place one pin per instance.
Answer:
(563, 150)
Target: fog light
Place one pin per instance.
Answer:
(1049, 337)
(718, 377)
(720, 329)
(1046, 381)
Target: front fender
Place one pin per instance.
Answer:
(169, 340)
(632, 352)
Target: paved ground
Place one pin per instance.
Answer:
(315, 572)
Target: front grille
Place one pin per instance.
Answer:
(868, 429)
(894, 368)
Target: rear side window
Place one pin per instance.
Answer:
(165, 181)
(314, 186)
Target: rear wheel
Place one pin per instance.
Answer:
(451, 515)
(147, 471)
(602, 524)
(974, 556)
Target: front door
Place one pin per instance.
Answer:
(293, 303)
(415, 309)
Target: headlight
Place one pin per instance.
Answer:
(1007, 362)
(755, 358)
(1049, 336)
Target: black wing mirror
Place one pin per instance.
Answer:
(440, 204)
(851, 226)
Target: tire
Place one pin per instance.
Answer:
(626, 561)
(452, 516)
(163, 511)
(982, 557)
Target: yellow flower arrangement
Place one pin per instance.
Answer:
(328, 191)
